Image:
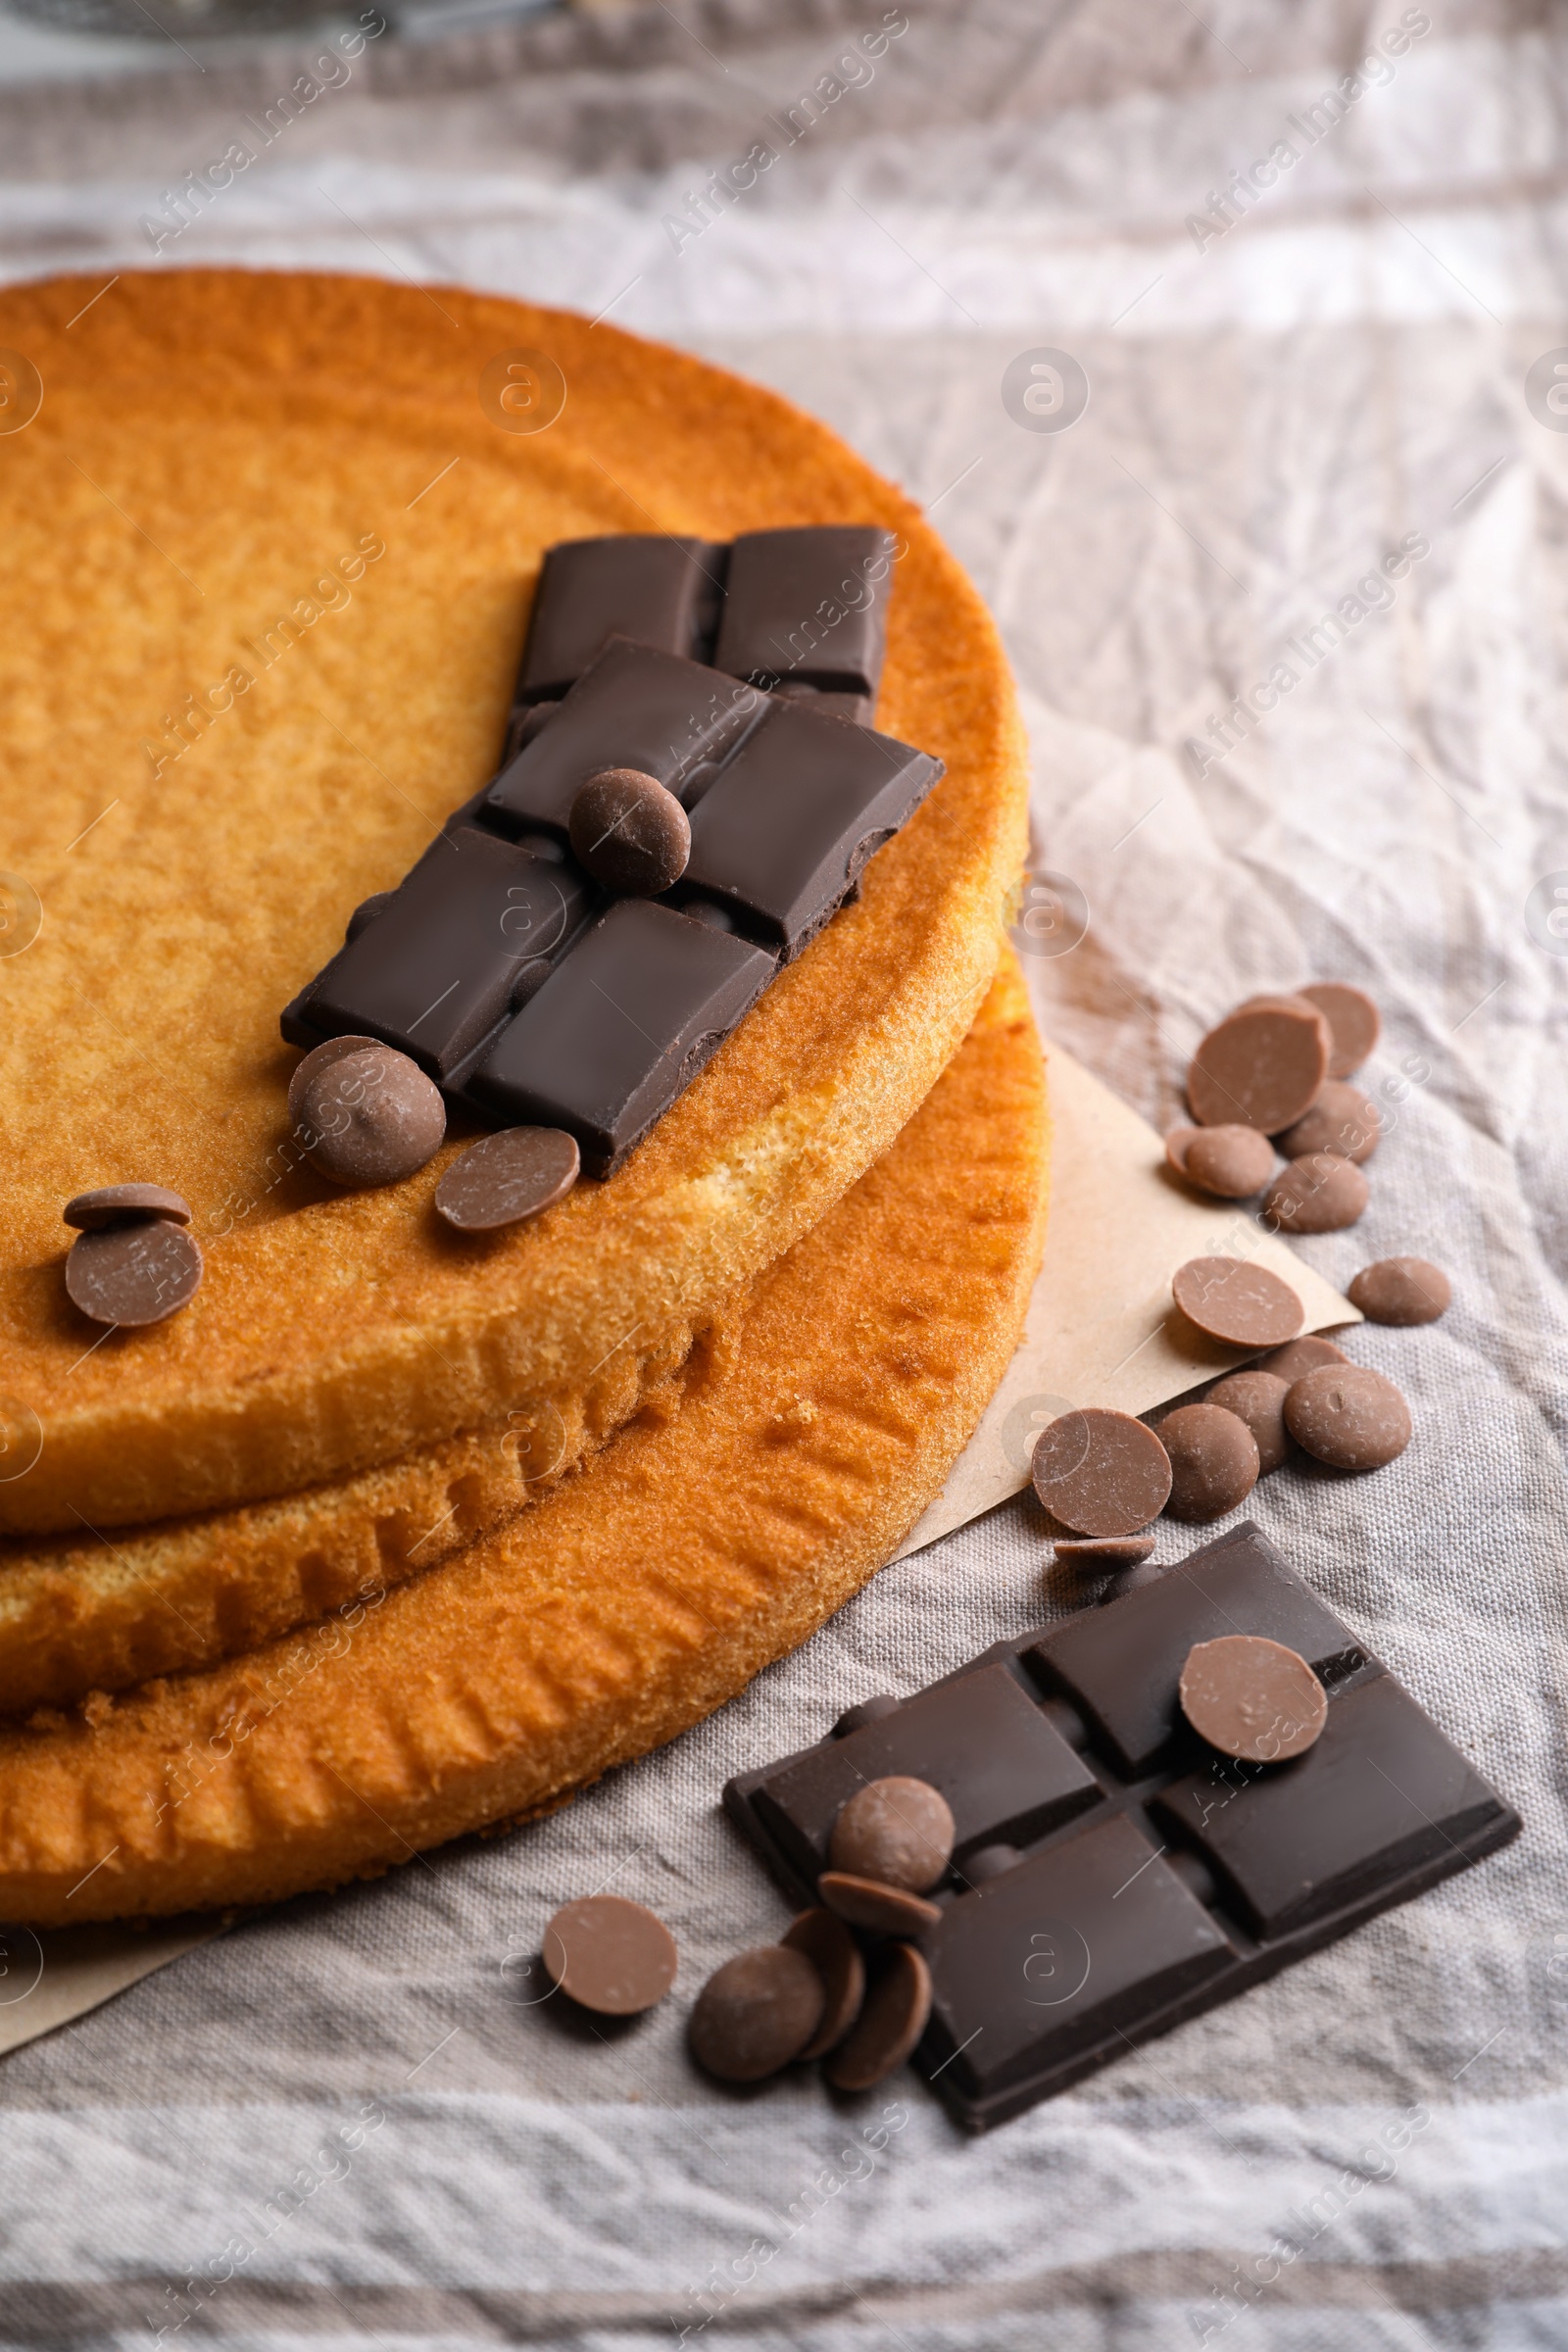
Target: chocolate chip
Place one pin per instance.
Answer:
(1105, 1552)
(133, 1275)
(836, 1957)
(1245, 1306)
(125, 1204)
(612, 1955)
(1349, 1418)
(1262, 1066)
(1343, 1119)
(1251, 1699)
(630, 832)
(898, 2004)
(896, 1831)
(1402, 1290)
(1319, 1192)
(868, 1904)
(1100, 1473)
(1300, 1357)
(1257, 1399)
(755, 2013)
(506, 1177)
(1352, 1019)
(1213, 1460)
(371, 1117)
(1230, 1162)
(321, 1057)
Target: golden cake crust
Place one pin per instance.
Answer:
(213, 446)
(633, 1600)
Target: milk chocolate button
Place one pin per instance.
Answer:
(1242, 1304)
(868, 1904)
(1213, 1460)
(1352, 1019)
(1343, 1119)
(893, 2019)
(318, 1059)
(630, 832)
(1300, 1357)
(1100, 1473)
(1105, 1552)
(1233, 1162)
(506, 1177)
(755, 2013)
(1319, 1192)
(133, 1275)
(125, 1204)
(1251, 1699)
(897, 1830)
(1261, 1067)
(1402, 1290)
(1257, 1399)
(371, 1117)
(1349, 1418)
(836, 1957)
(612, 1955)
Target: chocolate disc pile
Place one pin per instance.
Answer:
(1277, 1067)
(816, 1994)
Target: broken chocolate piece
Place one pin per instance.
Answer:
(441, 965)
(789, 823)
(808, 605)
(632, 707)
(662, 591)
(620, 1027)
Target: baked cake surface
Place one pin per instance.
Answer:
(269, 562)
(711, 1536)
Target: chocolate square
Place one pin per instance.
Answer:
(621, 1026)
(1121, 1664)
(809, 606)
(476, 922)
(1381, 1793)
(1005, 1771)
(660, 590)
(788, 824)
(1054, 1953)
(631, 708)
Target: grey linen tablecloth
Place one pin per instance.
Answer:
(351, 2118)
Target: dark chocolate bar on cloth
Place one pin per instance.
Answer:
(1112, 1874)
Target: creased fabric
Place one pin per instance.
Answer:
(354, 2118)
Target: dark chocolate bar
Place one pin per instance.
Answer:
(487, 964)
(789, 822)
(1113, 1875)
(620, 1028)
